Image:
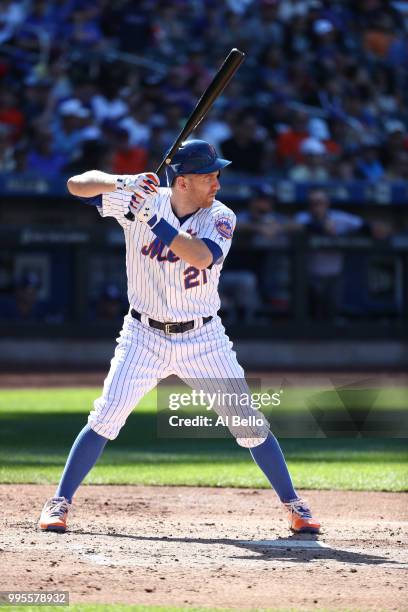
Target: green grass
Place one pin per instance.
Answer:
(37, 427)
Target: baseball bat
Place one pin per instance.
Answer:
(225, 73)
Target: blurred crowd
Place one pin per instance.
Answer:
(322, 93)
(262, 280)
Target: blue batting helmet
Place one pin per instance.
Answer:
(195, 157)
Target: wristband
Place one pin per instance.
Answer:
(163, 230)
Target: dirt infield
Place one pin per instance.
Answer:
(209, 547)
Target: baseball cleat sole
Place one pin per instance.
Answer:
(306, 530)
(57, 528)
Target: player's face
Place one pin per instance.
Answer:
(202, 188)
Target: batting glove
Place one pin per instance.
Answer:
(144, 184)
(147, 212)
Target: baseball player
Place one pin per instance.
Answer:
(175, 248)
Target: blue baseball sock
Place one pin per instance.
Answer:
(269, 457)
(85, 452)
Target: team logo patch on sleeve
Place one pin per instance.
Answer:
(224, 227)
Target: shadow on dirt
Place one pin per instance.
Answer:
(287, 549)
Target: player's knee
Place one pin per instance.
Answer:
(104, 428)
(252, 434)
(105, 421)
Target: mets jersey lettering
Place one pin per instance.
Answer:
(156, 248)
(160, 284)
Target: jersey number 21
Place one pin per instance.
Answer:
(191, 277)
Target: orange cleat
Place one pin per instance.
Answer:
(54, 515)
(300, 517)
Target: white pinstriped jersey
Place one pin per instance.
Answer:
(160, 284)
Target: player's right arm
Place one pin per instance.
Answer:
(92, 183)
(112, 193)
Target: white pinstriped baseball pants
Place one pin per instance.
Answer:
(145, 355)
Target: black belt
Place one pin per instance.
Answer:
(169, 328)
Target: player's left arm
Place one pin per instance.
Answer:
(193, 250)
(200, 253)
